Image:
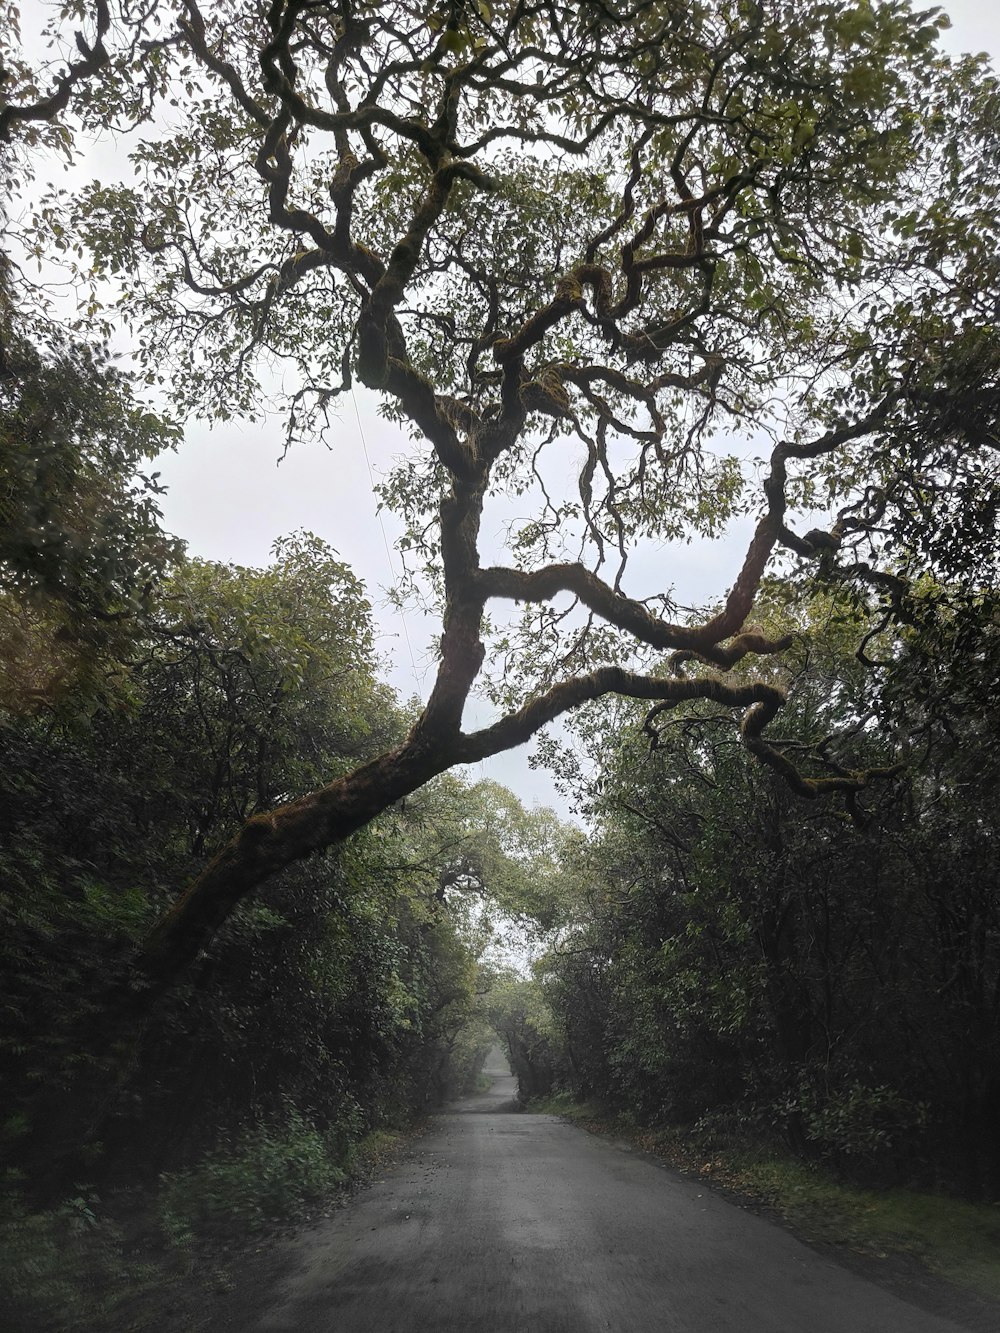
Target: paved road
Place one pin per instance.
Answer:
(515, 1223)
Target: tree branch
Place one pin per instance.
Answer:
(95, 57)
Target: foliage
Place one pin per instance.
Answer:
(953, 1238)
(340, 1003)
(746, 267)
(859, 1124)
(261, 684)
(238, 670)
(499, 862)
(827, 980)
(266, 1176)
(516, 1011)
(81, 549)
(64, 1269)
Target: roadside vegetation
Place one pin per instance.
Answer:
(150, 703)
(950, 1238)
(627, 277)
(801, 1004)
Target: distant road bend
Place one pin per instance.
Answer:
(517, 1223)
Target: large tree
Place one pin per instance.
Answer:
(573, 247)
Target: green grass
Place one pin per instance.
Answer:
(955, 1239)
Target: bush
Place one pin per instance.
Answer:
(861, 1125)
(63, 1269)
(267, 1175)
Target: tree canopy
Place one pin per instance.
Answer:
(755, 972)
(645, 266)
(82, 553)
(341, 1000)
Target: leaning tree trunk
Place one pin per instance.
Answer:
(269, 842)
(70, 1118)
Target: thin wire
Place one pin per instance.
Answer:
(385, 543)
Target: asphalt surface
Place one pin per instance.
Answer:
(513, 1223)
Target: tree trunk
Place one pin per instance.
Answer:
(269, 842)
(70, 1119)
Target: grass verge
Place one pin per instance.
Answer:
(952, 1238)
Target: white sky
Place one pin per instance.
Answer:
(229, 499)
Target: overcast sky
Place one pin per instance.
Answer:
(229, 498)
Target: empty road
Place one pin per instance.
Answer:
(515, 1223)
